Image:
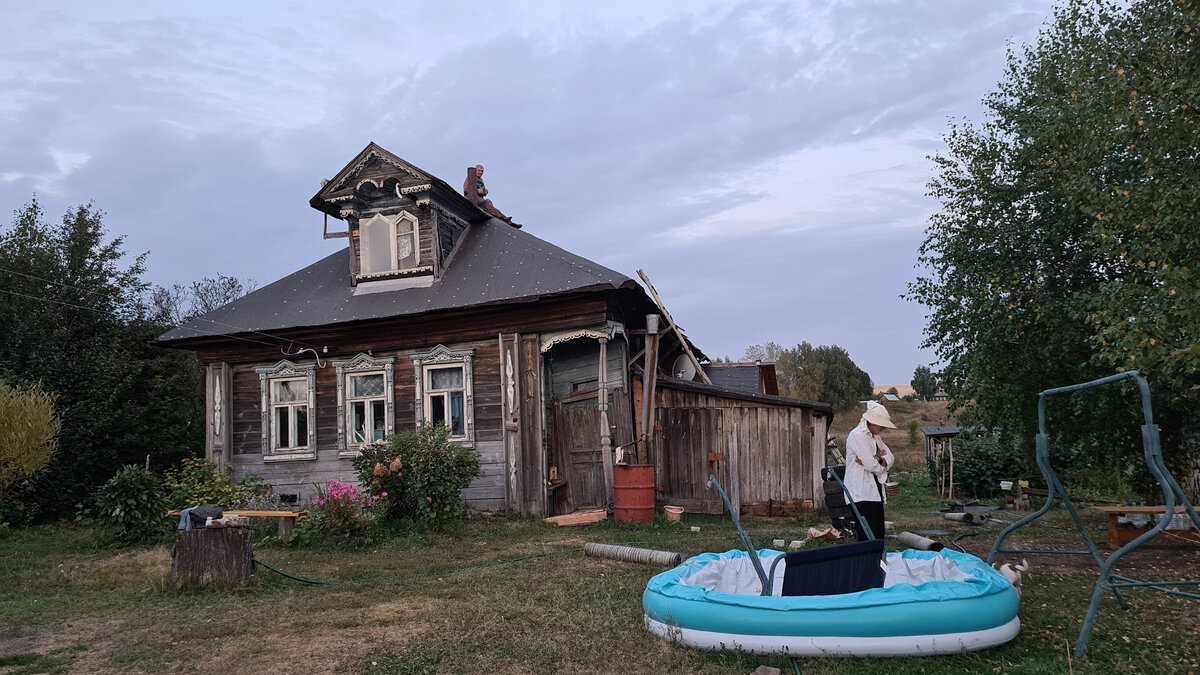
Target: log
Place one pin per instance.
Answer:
(212, 558)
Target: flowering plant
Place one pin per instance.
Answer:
(423, 472)
(342, 508)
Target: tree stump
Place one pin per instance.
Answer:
(212, 557)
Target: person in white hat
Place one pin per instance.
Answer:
(868, 460)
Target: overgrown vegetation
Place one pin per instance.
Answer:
(28, 434)
(132, 505)
(422, 473)
(1067, 243)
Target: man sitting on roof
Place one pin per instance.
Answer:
(477, 195)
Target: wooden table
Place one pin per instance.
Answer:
(287, 519)
(1118, 537)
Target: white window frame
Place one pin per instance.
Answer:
(362, 364)
(395, 224)
(441, 357)
(283, 371)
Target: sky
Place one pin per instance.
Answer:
(765, 162)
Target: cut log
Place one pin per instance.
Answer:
(219, 558)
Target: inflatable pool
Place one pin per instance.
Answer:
(931, 603)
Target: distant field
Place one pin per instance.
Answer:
(901, 389)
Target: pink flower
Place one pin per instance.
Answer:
(383, 495)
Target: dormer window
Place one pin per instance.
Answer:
(389, 244)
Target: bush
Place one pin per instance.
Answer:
(422, 473)
(198, 482)
(133, 504)
(28, 436)
(981, 462)
(913, 427)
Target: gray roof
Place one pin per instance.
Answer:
(738, 376)
(495, 264)
(941, 432)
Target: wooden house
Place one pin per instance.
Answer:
(436, 312)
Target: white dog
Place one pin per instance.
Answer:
(1013, 573)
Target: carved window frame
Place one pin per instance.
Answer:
(441, 356)
(363, 364)
(286, 370)
(393, 223)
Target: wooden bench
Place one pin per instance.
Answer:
(1118, 537)
(287, 519)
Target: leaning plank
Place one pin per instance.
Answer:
(219, 557)
(581, 518)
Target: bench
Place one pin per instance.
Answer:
(287, 519)
(1118, 537)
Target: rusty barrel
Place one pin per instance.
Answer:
(633, 493)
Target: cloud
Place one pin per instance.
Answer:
(740, 152)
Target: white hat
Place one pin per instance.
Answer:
(877, 414)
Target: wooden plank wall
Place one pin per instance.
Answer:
(778, 459)
(299, 477)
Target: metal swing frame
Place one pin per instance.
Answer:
(1152, 449)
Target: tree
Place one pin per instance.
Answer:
(824, 373)
(72, 317)
(178, 304)
(1067, 244)
(924, 382)
(28, 437)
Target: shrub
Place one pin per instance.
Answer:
(422, 473)
(28, 436)
(133, 504)
(198, 482)
(982, 461)
(913, 426)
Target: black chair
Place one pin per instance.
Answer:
(832, 570)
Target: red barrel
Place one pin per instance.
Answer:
(633, 493)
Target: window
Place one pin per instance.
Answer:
(444, 393)
(289, 408)
(367, 418)
(365, 402)
(288, 411)
(444, 398)
(388, 244)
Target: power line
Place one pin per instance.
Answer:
(118, 316)
(198, 330)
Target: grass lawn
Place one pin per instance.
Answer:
(448, 602)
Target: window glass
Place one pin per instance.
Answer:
(406, 244)
(283, 438)
(301, 413)
(375, 245)
(378, 420)
(287, 391)
(445, 378)
(366, 385)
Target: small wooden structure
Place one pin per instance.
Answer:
(212, 557)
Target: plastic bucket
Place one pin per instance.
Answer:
(674, 513)
(633, 493)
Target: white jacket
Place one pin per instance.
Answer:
(860, 478)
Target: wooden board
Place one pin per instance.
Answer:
(580, 518)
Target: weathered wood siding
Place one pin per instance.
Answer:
(770, 453)
(299, 477)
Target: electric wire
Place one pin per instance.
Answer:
(199, 318)
(118, 316)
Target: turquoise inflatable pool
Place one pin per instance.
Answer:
(975, 609)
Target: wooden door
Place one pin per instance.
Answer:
(577, 445)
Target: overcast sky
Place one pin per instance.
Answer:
(764, 163)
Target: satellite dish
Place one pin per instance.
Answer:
(683, 368)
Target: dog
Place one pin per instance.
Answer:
(1013, 573)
